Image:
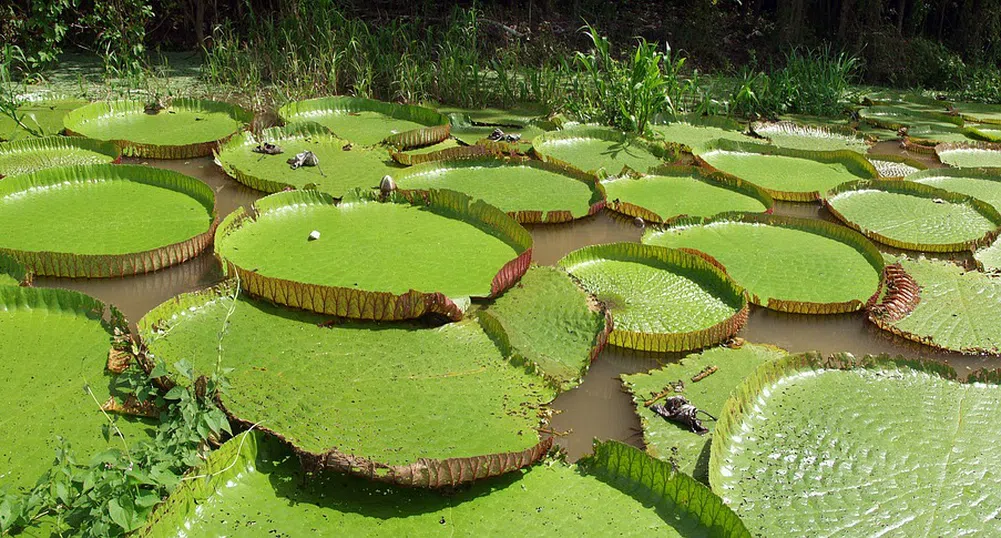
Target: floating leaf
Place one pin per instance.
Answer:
(785, 263)
(786, 174)
(984, 184)
(368, 122)
(970, 154)
(41, 116)
(183, 129)
(676, 191)
(914, 216)
(787, 134)
(660, 299)
(104, 220)
(602, 150)
(33, 154)
(694, 132)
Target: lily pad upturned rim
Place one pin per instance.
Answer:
(841, 131)
(945, 147)
(618, 465)
(819, 227)
(437, 127)
(907, 161)
(422, 473)
(855, 162)
(57, 142)
(292, 131)
(75, 118)
(16, 270)
(667, 258)
(491, 156)
(923, 191)
(743, 399)
(377, 305)
(666, 151)
(68, 264)
(716, 179)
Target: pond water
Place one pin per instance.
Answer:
(598, 407)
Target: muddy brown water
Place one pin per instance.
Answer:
(598, 408)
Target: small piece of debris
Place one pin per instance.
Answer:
(387, 185)
(153, 108)
(313, 236)
(306, 158)
(678, 409)
(938, 201)
(639, 222)
(500, 136)
(347, 147)
(706, 372)
(267, 148)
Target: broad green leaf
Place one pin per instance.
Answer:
(56, 350)
(391, 394)
(368, 122)
(44, 117)
(528, 190)
(926, 120)
(787, 134)
(104, 220)
(970, 155)
(981, 184)
(601, 150)
(989, 257)
(447, 245)
(342, 168)
(550, 323)
(471, 134)
(787, 174)
(517, 116)
(672, 442)
(695, 133)
(31, 155)
(907, 452)
(957, 310)
(660, 299)
(785, 263)
(675, 191)
(184, 128)
(913, 216)
(255, 488)
(981, 112)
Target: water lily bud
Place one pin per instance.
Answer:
(387, 185)
(314, 235)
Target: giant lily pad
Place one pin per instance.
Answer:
(183, 129)
(517, 116)
(529, 190)
(989, 257)
(12, 272)
(894, 166)
(342, 167)
(896, 116)
(913, 216)
(427, 153)
(787, 134)
(671, 441)
(661, 299)
(398, 403)
(252, 487)
(909, 452)
(602, 150)
(368, 122)
(549, 323)
(785, 263)
(695, 132)
(40, 117)
(674, 191)
(787, 174)
(104, 220)
(970, 155)
(980, 112)
(56, 349)
(397, 259)
(954, 309)
(982, 184)
(35, 154)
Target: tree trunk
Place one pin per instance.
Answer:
(901, 7)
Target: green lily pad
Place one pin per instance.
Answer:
(253, 487)
(517, 116)
(989, 257)
(785, 263)
(183, 129)
(104, 220)
(695, 132)
(956, 310)
(529, 190)
(913, 216)
(981, 184)
(925, 120)
(550, 323)
(33, 154)
(908, 453)
(677, 191)
(342, 166)
(786, 134)
(397, 259)
(895, 166)
(471, 134)
(601, 150)
(906, 99)
(44, 117)
(660, 299)
(12, 272)
(399, 403)
(61, 347)
(970, 155)
(787, 174)
(980, 112)
(368, 122)
(418, 155)
(669, 440)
